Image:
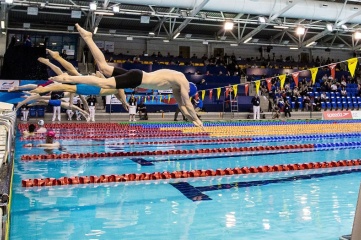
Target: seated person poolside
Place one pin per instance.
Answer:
(142, 110)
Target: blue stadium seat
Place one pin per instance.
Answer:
(349, 104)
(328, 105)
(317, 94)
(332, 95)
(41, 111)
(323, 105)
(334, 105)
(339, 105)
(293, 105)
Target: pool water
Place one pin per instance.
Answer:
(308, 204)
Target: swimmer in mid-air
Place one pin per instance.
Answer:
(120, 78)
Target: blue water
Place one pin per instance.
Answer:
(312, 204)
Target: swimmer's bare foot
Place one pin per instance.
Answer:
(62, 78)
(53, 54)
(43, 60)
(83, 33)
(39, 89)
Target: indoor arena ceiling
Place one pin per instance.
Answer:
(327, 24)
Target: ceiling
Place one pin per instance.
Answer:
(200, 20)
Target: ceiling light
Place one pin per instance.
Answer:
(112, 31)
(130, 38)
(165, 40)
(310, 44)
(261, 20)
(175, 36)
(26, 25)
(286, 42)
(203, 15)
(344, 27)
(188, 36)
(9, 1)
(228, 25)
(2, 24)
(300, 30)
(205, 42)
(281, 26)
(93, 6)
(184, 13)
(70, 28)
(223, 38)
(234, 44)
(33, 11)
(104, 13)
(329, 27)
(255, 40)
(293, 48)
(54, 43)
(95, 30)
(75, 14)
(144, 19)
(116, 9)
(151, 33)
(247, 40)
(356, 35)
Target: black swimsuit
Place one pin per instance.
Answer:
(127, 79)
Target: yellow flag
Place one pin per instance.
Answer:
(169, 98)
(203, 94)
(145, 100)
(235, 89)
(258, 83)
(282, 79)
(352, 63)
(313, 74)
(160, 98)
(218, 92)
(152, 98)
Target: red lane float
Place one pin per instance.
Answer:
(158, 152)
(39, 182)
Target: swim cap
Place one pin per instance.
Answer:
(41, 122)
(192, 89)
(50, 134)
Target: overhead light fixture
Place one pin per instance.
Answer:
(300, 30)
(144, 19)
(228, 25)
(203, 15)
(188, 36)
(223, 38)
(104, 13)
(70, 28)
(247, 40)
(255, 40)
(184, 13)
(151, 33)
(356, 35)
(344, 27)
(293, 48)
(26, 25)
(33, 11)
(9, 1)
(2, 24)
(54, 43)
(4, 33)
(285, 42)
(112, 31)
(329, 27)
(75, 14)
(116, 9)
(341, 45)
(280, 26)
(175, 36)
(261, 20)
(130, 38)
(165, 40)
(93, 6)
(205, 42)
(310, 44)
(234, 44)
(95, 30)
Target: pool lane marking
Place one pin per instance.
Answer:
(142, 161)
(190, 192)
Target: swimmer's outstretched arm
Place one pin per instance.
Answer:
(23, 87)
(67, 65)
(29, 99)
(85, 103)
(106, 83)
(55, 88)
(53, 67)
(186, 106)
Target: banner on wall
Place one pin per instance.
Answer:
(165, 91)
(109, 46)
(7, 84)
(333, 115)
(100, 44)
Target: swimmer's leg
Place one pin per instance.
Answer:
(67, 65)
(85, 103)
(75, 108)
(53, 67)
(23, 87)
(29, 99)
(55, 88)
(107, 83)
(102, 64)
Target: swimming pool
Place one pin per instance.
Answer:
(303, 204)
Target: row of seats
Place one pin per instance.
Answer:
(334, 103)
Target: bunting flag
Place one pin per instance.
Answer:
(210, 94)
(169, 97)
(203, 94)
(258, 83)
(235, 89)
(295, 78)
(246, 87)
(218, 92)
(145, 100)
(332, 68)
(160, 98)
(352, 63)
(269, 83)
(152, 98)
(283, 79)
(313, 74)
